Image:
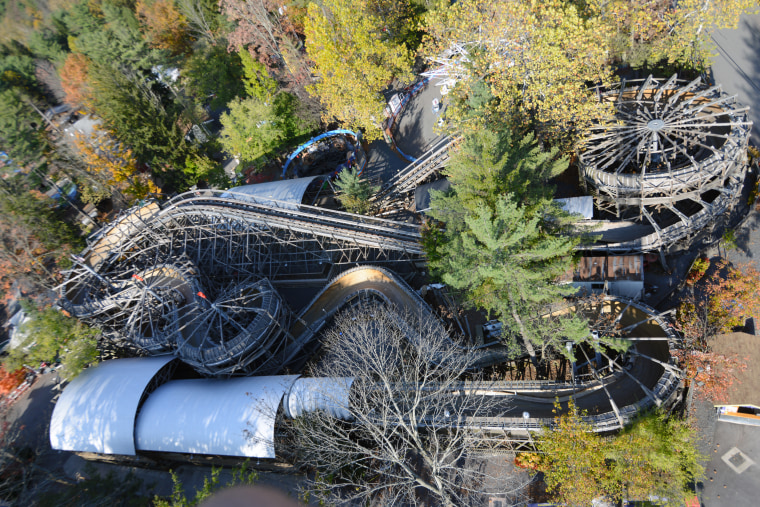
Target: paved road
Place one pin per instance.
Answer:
(32, 410)
(415, 129)
(733, 480)
(737, 66)
(737, 69)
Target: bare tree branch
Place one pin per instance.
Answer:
(410, 439)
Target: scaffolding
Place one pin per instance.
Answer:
(673, 158)
(195, 278)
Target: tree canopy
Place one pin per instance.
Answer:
(535, 58)
(654, 456)
(402, 370)
(20, 136)
(354, 193)
(138, 114)
(214, 76)
(51, 336)
(164, 25)
(271, 32)
(354, 60)
(501, 244)
(255, 130)
(675, 32)
(112, 165)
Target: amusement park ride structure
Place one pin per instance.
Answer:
(673, 159)
(198, 276)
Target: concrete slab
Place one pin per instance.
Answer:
(733, 473)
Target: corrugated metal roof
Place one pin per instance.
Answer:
(625, 267)
(96, 412)
(591, 269)
(612, 267)
(284, 193)
(225, 417)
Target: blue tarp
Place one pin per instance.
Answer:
(312, 141)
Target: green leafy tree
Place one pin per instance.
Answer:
(33, 239)
(32, 210)
(20, 135)
(17, 70)
(111, 37)
(507, 262)
(203, 18)
(678, 33)
(502, 244)
(257, 82)
(488, 164)
(354, 192)
(354, 60)
(211, 484)
(655, 455)
(139, 115)
(213, 71)
(255, 130)
(48, 44)
(201, 168)
(536, 58)
(164, 26)
(51, 336)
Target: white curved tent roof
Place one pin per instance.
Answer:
(226, 417)
(286, 193)
(309, 394)
(96, 412)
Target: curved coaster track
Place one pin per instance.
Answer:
(196, 279)
(672, 161)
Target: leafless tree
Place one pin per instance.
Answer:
(199, 19)
(23, 473)
(412, 436)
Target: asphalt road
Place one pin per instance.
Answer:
(737, 66)
(30, 413)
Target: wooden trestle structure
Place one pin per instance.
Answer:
(674, 157)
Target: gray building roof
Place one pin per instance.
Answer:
(283, 193)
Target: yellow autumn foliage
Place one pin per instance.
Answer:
(113, 165)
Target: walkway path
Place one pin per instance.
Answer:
(737, 66)
(415, 128)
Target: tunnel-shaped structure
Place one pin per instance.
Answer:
(137, 406)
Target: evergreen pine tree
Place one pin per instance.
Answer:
(354, 193)
(501, 243)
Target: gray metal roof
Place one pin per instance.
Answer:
(225, 417)
(286, 193)
(96, 412)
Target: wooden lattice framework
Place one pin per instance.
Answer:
(194, 277)
(674, 156)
